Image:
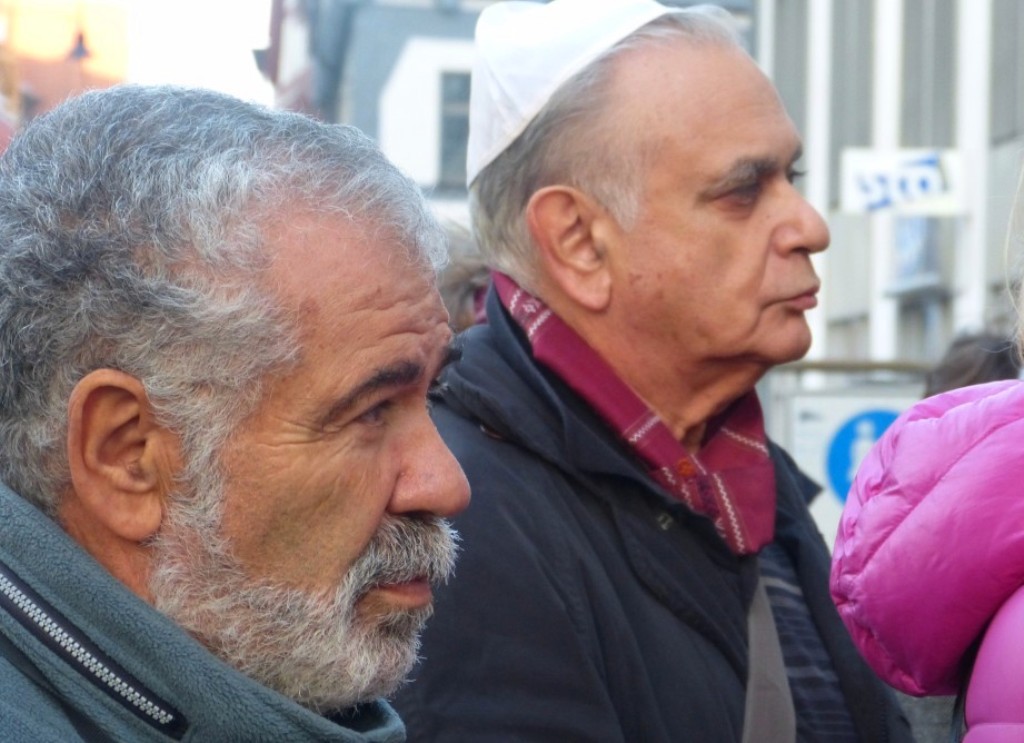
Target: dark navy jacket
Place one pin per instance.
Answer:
(587, 604)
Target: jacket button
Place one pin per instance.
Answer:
(665, 520)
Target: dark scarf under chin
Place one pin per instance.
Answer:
(730, 480)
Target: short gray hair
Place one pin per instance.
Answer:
(569, 142)
(131, 236)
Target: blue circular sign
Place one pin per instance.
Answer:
(851, 443)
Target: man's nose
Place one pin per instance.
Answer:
(431, 480)
(804, 228)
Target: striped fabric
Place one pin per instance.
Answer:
(821, 710)
(731, 479)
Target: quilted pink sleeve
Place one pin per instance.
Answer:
(995, 697)
(931, 541)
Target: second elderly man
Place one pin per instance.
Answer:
(640, 563)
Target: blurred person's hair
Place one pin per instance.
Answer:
(132, 236)
(465, 279)
(560, 146)
(974, 358)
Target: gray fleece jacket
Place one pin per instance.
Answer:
(82, 658)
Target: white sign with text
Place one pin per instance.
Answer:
(905, 181)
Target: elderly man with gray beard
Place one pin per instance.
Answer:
(225, 502)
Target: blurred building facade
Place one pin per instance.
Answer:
(53, 49)
(913, 115)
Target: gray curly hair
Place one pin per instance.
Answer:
(131, 235)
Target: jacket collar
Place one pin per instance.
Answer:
(536, 409)
(95, 641)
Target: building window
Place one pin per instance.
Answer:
(929, 74)
(791, 59)
(852, 104)
(1007, 70)
(454, 130)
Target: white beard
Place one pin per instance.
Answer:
(316, 650)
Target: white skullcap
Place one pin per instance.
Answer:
(526, 50)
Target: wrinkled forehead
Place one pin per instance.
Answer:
(329, 257)
(361, 240)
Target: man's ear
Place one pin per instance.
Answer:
(568, 227)
(122, 462)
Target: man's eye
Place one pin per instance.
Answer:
(375, 415)
(793, 175)
(745, 195)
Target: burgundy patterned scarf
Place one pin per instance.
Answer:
(731, 480)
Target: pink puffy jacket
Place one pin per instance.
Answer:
(930, 551)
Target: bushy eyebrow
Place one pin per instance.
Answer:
(744, 171)
(395, 376)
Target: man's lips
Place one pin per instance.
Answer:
(409, 594)
(805, 300)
